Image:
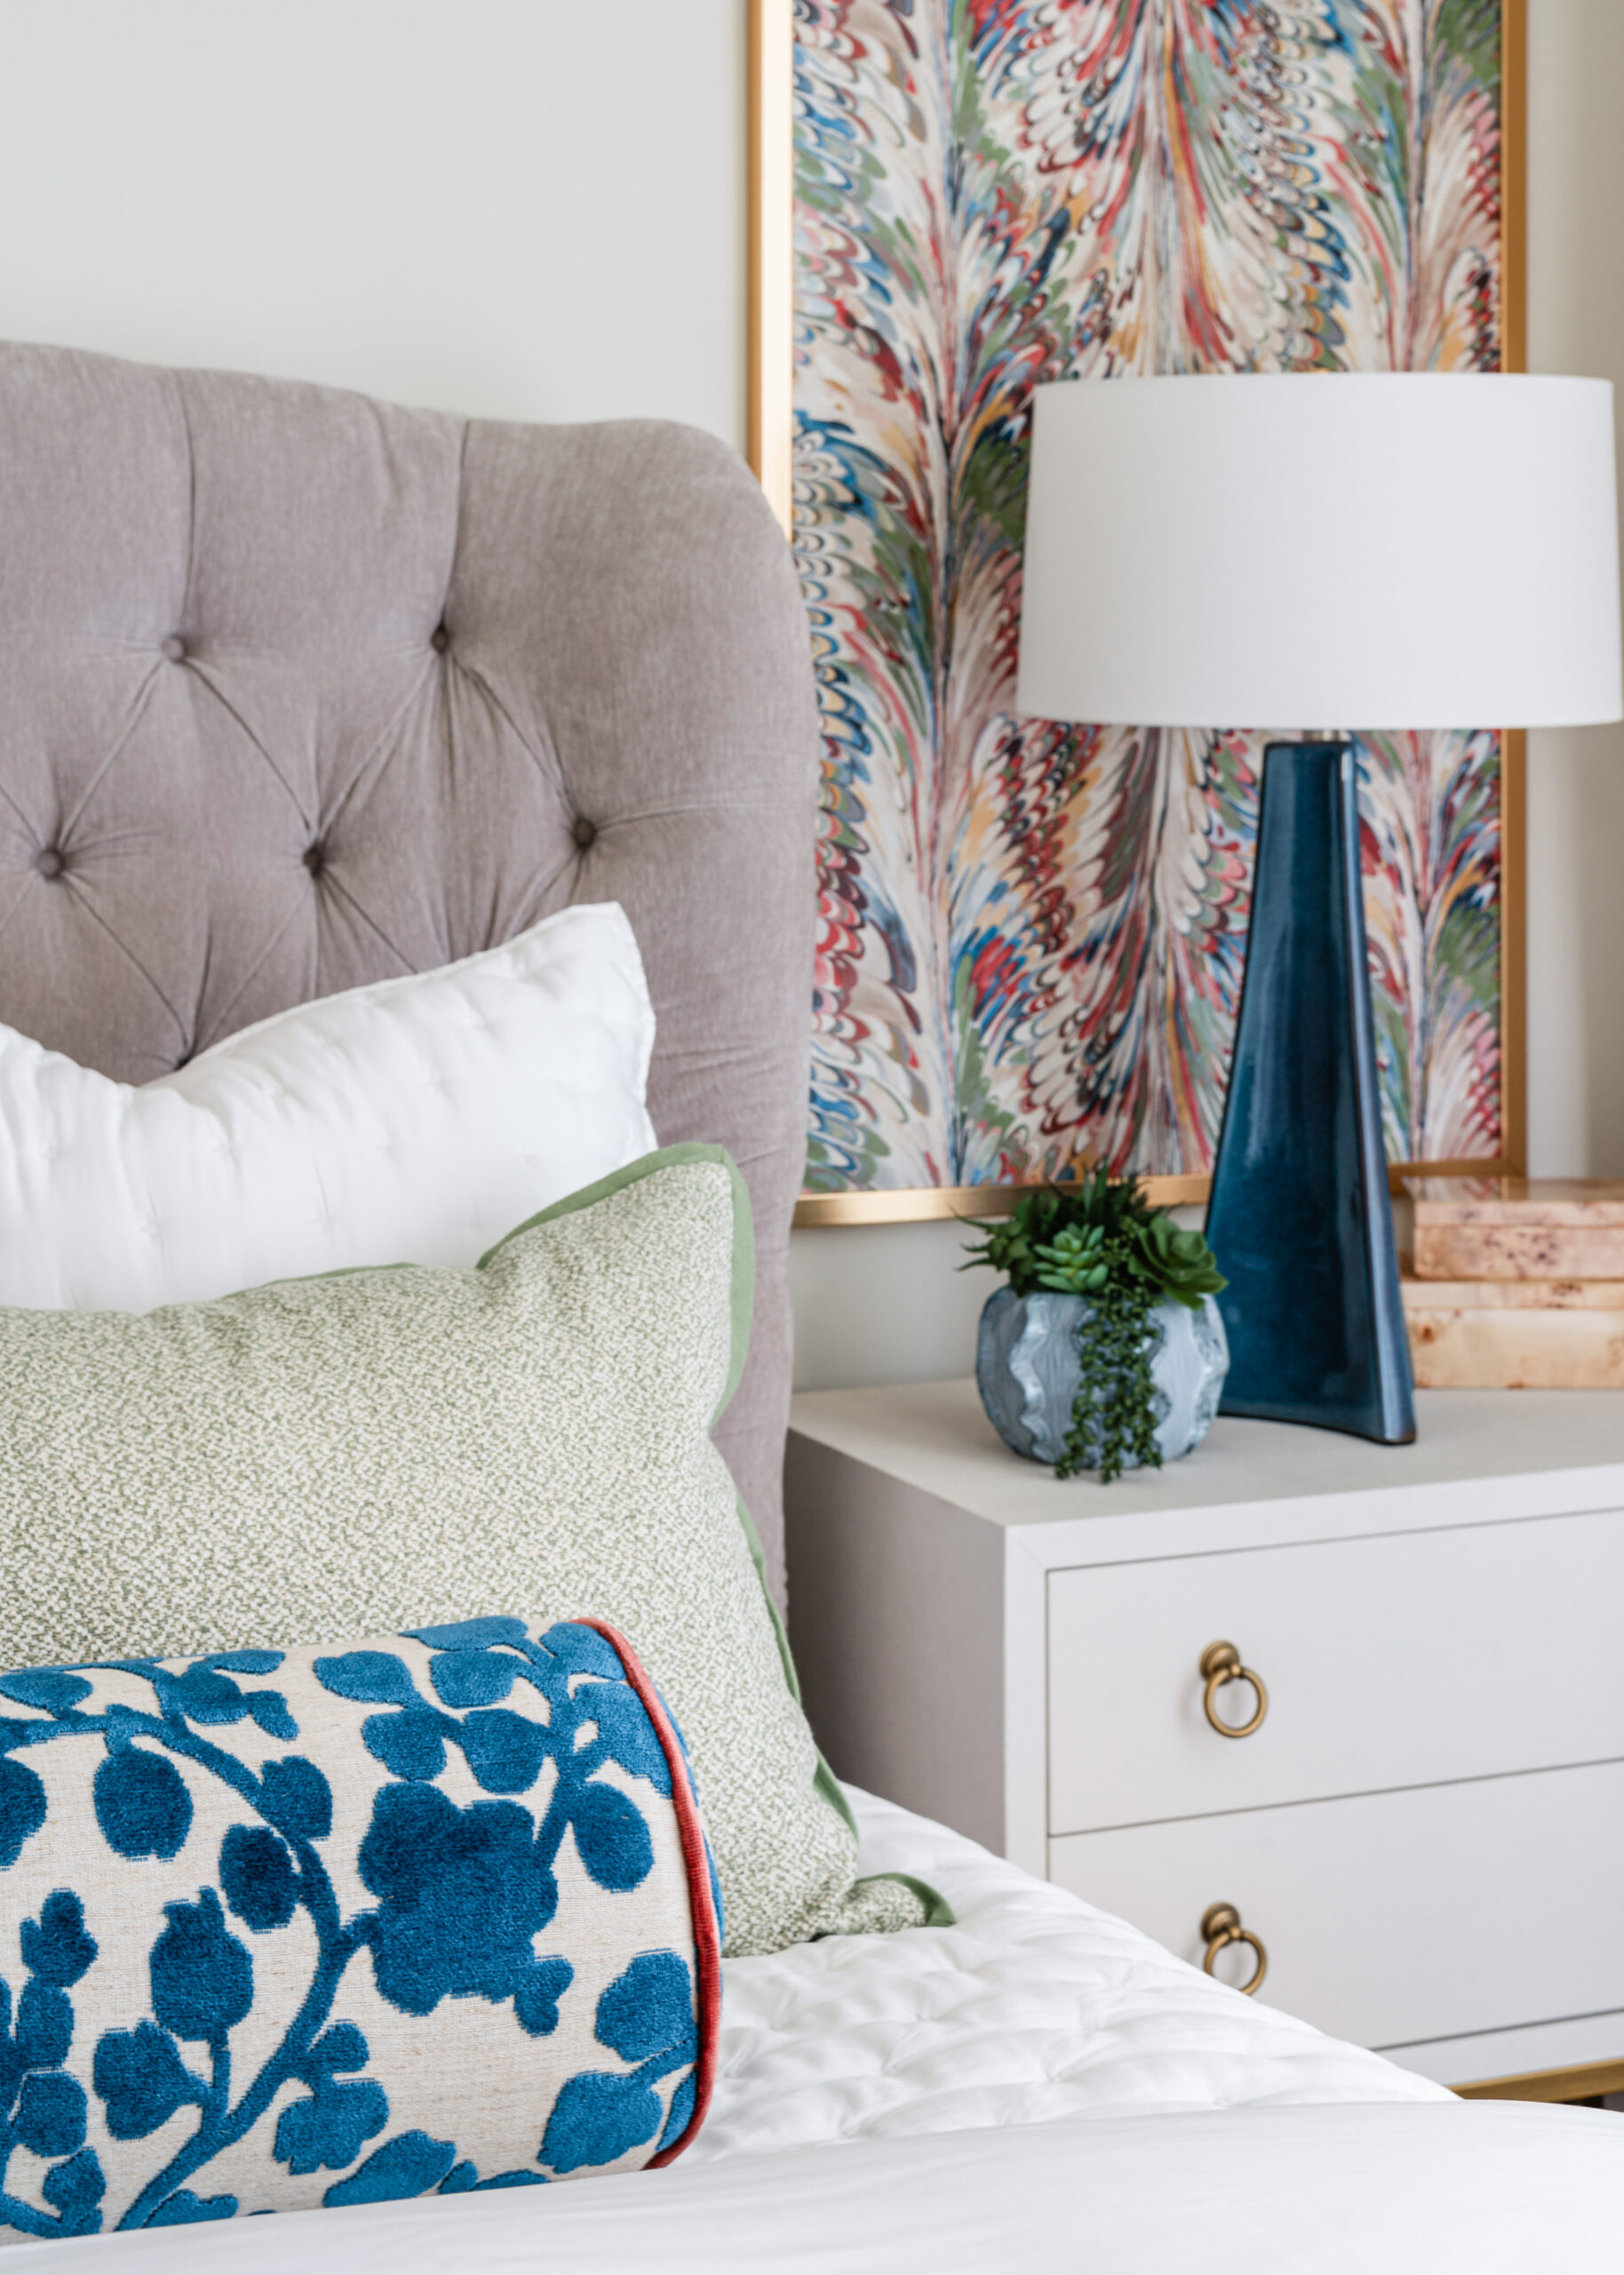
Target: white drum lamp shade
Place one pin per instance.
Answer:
(1322, 551)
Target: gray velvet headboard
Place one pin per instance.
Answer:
(300, 690)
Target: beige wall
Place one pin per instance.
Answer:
(535, 209)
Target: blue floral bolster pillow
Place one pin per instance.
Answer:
(427, 1914)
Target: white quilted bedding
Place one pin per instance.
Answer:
(1035, 2007)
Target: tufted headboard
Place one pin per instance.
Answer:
(300, 690)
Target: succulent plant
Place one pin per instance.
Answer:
(1074, 1262)
(1175, 1262)
(1101, 1239)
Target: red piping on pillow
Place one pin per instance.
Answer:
(702, 1903)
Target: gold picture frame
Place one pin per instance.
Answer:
(770, 65)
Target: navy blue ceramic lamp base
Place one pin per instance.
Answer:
(1300, 1218)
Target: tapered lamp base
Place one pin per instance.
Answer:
(1300, 1218)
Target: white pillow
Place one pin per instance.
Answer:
(416, 1121)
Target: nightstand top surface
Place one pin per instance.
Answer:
(935, 1436)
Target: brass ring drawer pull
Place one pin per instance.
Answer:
(1221, 1664)
(1219, 1928)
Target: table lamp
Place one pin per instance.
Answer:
(1325, 553)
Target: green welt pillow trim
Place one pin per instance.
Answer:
(937, 1912)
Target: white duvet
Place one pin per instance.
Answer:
(1483, 2188)
(1038, 2088)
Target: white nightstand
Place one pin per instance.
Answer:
(1427, 1830)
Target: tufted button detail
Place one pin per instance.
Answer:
(50, 862)
(439, 640)
(174, 649)
(584, 831)
(315, 858)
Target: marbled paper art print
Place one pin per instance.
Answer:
(1032, 936)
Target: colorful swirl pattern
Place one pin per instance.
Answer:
(1032, 936)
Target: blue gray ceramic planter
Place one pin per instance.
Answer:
(1027, 1370)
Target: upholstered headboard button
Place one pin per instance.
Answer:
(50, 862)
(585, 832)
(174, 649)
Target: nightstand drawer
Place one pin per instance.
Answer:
(1394, 1918)
(1392, 1660)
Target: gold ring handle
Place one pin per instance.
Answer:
(1221, 1664)
(1219, 1928)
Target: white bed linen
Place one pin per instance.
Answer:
(1034, 2006)
(1163, 2147)
(1485, 2188)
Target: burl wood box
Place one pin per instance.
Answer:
(1515, 1334)
(1516, 1283)
(1518, 1228)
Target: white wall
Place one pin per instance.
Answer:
(523, 208)
(1576, 778)
(536, 209)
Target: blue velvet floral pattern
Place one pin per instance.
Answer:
(341, 1853)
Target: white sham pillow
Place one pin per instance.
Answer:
(415, 1122)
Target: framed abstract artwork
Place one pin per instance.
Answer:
(1031, 936)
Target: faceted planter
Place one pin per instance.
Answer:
(1027, 1371)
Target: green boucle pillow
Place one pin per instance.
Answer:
(379, 1450)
